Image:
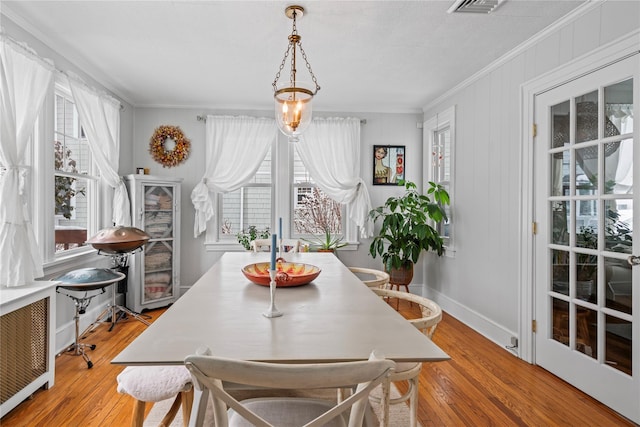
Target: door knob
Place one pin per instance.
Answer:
(633, 260)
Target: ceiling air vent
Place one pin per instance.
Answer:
(474, 6)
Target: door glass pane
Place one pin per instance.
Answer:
(560, 173)
(587, 170)
(560, 271)
(618, 231)
(560, 222)
(618, 344)
(586, 276)
(618, 173)
(586, 331)
(618, 104)
(560, 316)
(158, 213)
(158, 268)
(586, 117)
(560, 125)
(619, 292)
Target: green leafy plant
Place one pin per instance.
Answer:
(245, 237)
(406, 228)
(326, 241)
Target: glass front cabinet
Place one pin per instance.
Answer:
(154, 272)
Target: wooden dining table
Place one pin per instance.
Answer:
(333, 318)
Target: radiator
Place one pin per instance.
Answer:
(26, 345)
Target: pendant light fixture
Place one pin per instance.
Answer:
(293, 97)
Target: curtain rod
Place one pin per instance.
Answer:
(204, 119)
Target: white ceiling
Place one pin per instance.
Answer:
(384, 56)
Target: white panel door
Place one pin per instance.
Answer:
(586, 291)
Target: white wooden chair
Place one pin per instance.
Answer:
(409, 371)
(380, 280)
(288, 245)
(209, 373)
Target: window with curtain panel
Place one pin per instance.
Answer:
(74, 175)
(312, 211)
(438, 161)
(248, 206)
(67, 194)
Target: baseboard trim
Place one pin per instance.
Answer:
(476, 321)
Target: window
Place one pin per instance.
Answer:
(314, 213)
(248, 206)
(439, 138)
(256, 203)
(66, 185)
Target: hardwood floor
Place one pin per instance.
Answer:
(482, 385)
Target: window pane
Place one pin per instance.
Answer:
(313, 211)
(71, 212)
(560, 123)
(316, 213)
(587, 117)
(618, 225)
(243, 208)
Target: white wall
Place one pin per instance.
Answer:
(481, 284)
(392, 129)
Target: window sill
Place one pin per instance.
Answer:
(79, 258)
(237, 247)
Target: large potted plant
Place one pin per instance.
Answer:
(408, 229)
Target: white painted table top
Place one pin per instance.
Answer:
(334, 318)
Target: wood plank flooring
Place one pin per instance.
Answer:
(482, 385)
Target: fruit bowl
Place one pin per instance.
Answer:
(288, 273)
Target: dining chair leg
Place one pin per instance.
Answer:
(384, 404)
(137, 419)
(187, 404)
(168, 418)
(413, 402)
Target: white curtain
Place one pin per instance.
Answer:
(24, 82)
(235, 148)
(330, 150)
(100, 119)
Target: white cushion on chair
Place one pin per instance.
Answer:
(154, 383)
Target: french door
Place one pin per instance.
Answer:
(586, 287)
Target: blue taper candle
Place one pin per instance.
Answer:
(280, 227)
(274, 239)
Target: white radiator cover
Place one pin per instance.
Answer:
(27, 360)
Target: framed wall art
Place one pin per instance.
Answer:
(388, 164)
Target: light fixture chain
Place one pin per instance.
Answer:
(304, 56)
(284, 60)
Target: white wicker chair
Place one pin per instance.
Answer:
(210, 373)
(407, 371)
(293, 244)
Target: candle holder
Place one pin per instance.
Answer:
(273, 311)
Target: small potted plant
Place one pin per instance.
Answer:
(407, 229)
(245, 237)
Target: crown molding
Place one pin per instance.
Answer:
(521, 48)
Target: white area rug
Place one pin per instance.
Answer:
(398, 414)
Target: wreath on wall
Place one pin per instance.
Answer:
(158, 146)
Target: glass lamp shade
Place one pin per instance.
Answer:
(293, 108)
